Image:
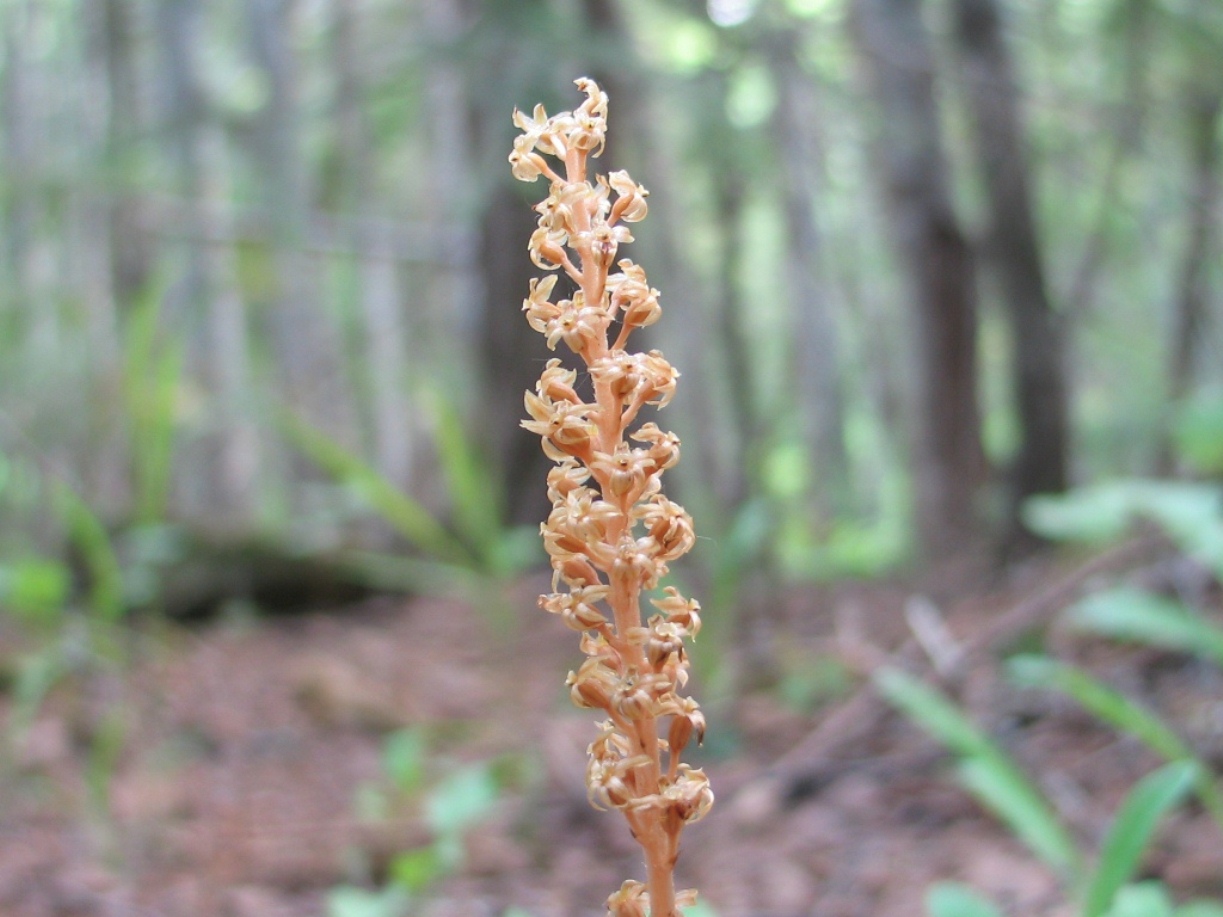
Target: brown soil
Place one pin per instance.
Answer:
(243, 748)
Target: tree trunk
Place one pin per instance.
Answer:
(129, 252)
(733, 349)
(1039, 382)
(1192, 289)
(1130, 122)
(937, 265)
(385, 334)
(512, 354)
(303, 336)
(217, 479)
(815, 353)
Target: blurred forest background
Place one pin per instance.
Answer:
(261, 348)
(263, 262)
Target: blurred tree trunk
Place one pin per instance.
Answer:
(130, 253)
(303, 336)
(937, 264)
(1203, 109)
(744, 445)
(31, 269)
(1130, 121)
(385, 335)
(815, 351)
(511, 354)
(106, 119)
(217, 480)
(684, 334)
(1038, 361)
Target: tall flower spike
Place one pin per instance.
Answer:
(611, 532)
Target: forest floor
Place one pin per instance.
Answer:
(221, 770)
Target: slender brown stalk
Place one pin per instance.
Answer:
(611, 532)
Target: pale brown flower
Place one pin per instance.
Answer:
(611, 532)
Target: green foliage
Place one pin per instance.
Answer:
(1131, 831)
(1125, 613)
(1120, 712)
(403, 759)
(1151, 899)
(476, 500)
(450, 806)
(952, 899)
(408, 517)
(989, 773)
(106, 745)
(485, 549)
(153, 372)
(461, 800)
(1188, 512)
(35, 589)
(986, 770)
(86, 531)
(1099, 699)
(351, 901)
(1197, 432)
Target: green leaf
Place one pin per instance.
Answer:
(463, 799)
(1131, 831)
(1119, 711)
(153, 371)
(1146, 899)
(35, 589)
(1091, 514)
(1198, 432)
(37, 674)
(952, 899)
(1132, 614)
(1201, 908)
(700, 909)
(986, 770)
(106, 594)
(930, 710)
(1100, 700)
(415, 870)
(403, 759)
(1004, 790)
(351, 901)
(1188, 511)
(408, 517)
(474, 495)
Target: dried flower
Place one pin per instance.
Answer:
(611, 532)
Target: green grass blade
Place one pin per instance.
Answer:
(106, 594)
(1135, 615)
(952, 899)
(153, 370)
(1145, 899)
(1019, 804)
(408, 517)
(1100, 700)
(1131, 831)
(1119, 711)
(1200, 908)
(472, 489)
(932, 711)
(986, 770)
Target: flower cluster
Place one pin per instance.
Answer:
(612, 533)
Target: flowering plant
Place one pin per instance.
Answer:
(612, 532)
